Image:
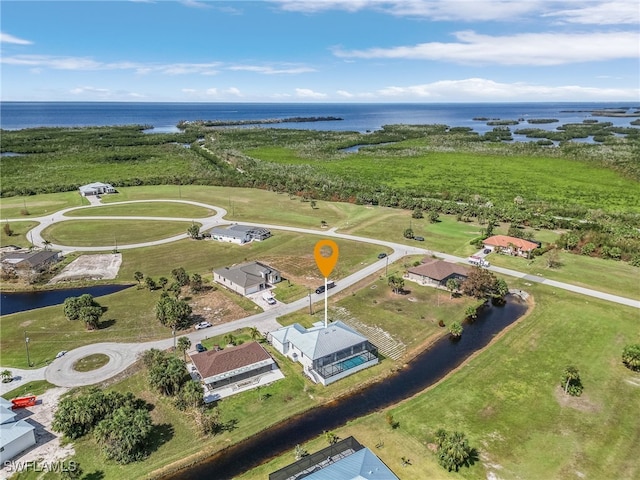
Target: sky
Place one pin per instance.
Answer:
(366, 51)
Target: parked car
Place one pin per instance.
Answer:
(487, 251)
(200, 348)
(382, 255)
(202, 325)
(320, 289)
(61, 354)
(419, 239)
(271, 301)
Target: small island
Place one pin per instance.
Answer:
(230, 123)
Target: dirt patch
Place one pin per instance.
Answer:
(47, 447)
(91, 267)
(582, 403)
(215, 307)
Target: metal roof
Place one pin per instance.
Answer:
(361, 465)
(10, 432)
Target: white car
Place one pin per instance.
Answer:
(61, 354)
(202, 325)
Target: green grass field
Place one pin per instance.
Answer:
(507, 401)
(151, 209)
(98, 233)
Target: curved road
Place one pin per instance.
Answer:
(121, 355)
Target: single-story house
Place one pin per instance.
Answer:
(15, 436)
(437, 272)
(239, 234)
(510, 245)
(27, 262)
(326, 352)
(344, 460)
(247, 278)
(235, 369)
(96, 188)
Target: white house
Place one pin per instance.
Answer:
(96, 188)
(247, 278)
(327, 353)
(239, 234)
(15, 436)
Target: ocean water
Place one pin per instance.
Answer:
(355, 117)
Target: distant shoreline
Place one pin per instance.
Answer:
(229, 123)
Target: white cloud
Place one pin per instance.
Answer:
(195, 4)
(345, 94)
(212, 92)
(233, 91)
(481, 89)
(519, 49)
(601, 13)
(7, 38)
(308, 93)
(189, 90)
(101, 92)
(268, 70)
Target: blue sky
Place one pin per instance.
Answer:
(321, 50)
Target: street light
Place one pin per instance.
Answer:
(26, 342)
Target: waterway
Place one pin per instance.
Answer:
(423, 371)
(13, 302)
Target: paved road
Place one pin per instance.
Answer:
(60, 372)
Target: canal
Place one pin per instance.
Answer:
(421, 372)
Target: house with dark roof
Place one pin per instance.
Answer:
(235, 369)
(28, 262)
(96, 188)
(510, 245)
(344, 460)
(327, 352)
(239, 234)
(247, 278)
(437, 272)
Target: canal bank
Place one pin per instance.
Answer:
(423, 371)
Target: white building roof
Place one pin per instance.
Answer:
(318, 341)
(6, 414)
(9, 432)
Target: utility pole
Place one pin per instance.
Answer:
(386, 267)
(310, 305)
(26, 342)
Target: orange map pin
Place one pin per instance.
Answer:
(326, 264)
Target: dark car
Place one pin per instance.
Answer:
(200, 348)
(382, 255)
(320, 289)
(419, 239)
(487, 251)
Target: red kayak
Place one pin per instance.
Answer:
(21, 402)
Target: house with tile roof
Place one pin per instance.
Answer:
(510, 245)
(327, 352)
(247, 278)
(437, 272)
(235, 369)
(344, 460)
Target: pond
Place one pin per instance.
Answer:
(13, 302)
(421, 372)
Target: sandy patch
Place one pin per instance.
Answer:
(47, 447)
(582, 403)
(91, 267)
(215, 307)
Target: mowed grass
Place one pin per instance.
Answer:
(19, 235)
(508, 402)
(497, 177)
(39, 205)
(98, 233)
(151, 209)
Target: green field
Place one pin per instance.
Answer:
(99, 233)
(151, 209)
(507, 401)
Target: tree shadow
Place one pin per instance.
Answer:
(106, 323)
(228, 426)
(473, 458)
(97, 475)
(160, 434)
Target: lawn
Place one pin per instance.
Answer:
(99, 233)
(151, 209)
(40, 205)
(507, 401)
(19, 234)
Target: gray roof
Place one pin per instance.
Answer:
(318, 341)
(34, 258)
(6, 414)
(246, 274)
(249, 229)
(361, 465)
(14, 430)
(227, 232)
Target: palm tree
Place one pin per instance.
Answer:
(254, 333)
(631, 357)
(455, 329)
(571, 381)
(396, 283)
(46, 244)
(452, 285)
(138, 276)
(184, 344)
(230, 339)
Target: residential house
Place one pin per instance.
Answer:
(344, 460)
(326, 352)
(247, 278)
(235, 369)
(15, 435)
(24, 263)
(437, 272)
(510, 245)
(239, 234)
(96, 188)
